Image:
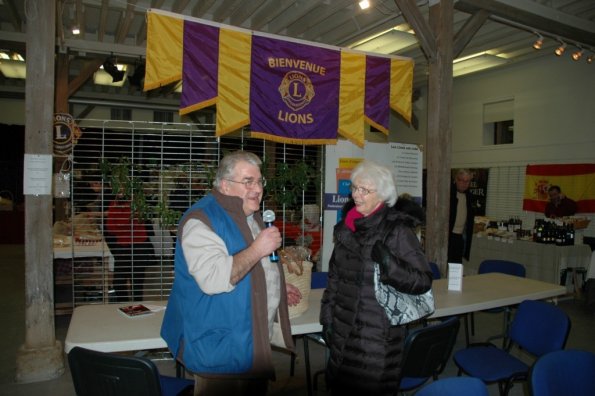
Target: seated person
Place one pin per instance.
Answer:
(559, 204)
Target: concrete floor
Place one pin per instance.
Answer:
(12, 312)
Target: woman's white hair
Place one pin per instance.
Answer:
(378, 176)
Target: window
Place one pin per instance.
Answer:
(498, 122)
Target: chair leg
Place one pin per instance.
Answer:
(465, 317)
(292, 360)
(307, 364)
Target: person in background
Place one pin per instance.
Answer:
(559, 205)
(461, 218)
(227, 294)
(128, 239)
(365, 350)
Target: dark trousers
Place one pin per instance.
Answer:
(456, 246)
(229, 386)
(129, 271)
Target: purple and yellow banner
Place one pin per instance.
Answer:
(577, 182)
(294, 91)
(288, 91)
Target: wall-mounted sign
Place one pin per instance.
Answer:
(66, 133)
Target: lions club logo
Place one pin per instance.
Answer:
(296, 90)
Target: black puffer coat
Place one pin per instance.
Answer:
(365, 351)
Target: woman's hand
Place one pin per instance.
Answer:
(294, 296)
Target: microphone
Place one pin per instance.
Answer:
(269, 217)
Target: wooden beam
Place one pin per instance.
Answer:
(86, 111)
(535, 16)
(124, 27)
(439, 135)
(15, 18)
(41, 356)
(61, 95)
(87, 71)
(466, 33)
(102, 20)
(424, 35)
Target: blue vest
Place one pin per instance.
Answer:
(216, 330)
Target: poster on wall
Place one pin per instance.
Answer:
(478, 188)
(66, 134)
(407, 166)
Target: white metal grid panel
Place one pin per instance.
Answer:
(174, 164)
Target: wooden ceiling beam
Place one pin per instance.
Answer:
(426, 38)
(534, 16)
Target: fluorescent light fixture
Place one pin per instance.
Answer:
(387, 42)
(13, 68)
(364, 4)
(476, 62)
(101, 77)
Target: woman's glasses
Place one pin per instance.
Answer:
(361, 190)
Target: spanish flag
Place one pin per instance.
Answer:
(577, 182)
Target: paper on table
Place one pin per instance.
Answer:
(455, 276)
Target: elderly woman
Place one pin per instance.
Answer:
(365, 350)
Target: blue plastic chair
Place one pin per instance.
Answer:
(106, 374)
(504, 267)
(435, 270)
(426, 352)
(566, 372)
(538, 328)
(455, 386)
(319, 280)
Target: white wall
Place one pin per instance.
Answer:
(554, 114)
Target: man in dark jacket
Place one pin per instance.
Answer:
(461, 218)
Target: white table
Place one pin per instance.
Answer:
(77, 251)
(103, 328)
(542, 262)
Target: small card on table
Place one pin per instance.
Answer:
(455, 276)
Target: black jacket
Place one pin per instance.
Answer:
(469, 221)
(365, 351)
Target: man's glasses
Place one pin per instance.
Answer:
(361, 190)
(250, 183)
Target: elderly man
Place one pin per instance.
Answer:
(461, 218)
(227, 294)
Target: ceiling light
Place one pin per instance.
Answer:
(13, 68)
(539, 42)
(476, 62)
(560, 50)
(590, 58)
(577, 54)
(114, 74)
(364, 4)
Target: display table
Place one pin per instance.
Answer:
(79, 251)
(101, 327)
(542, 262)
(82, 274)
